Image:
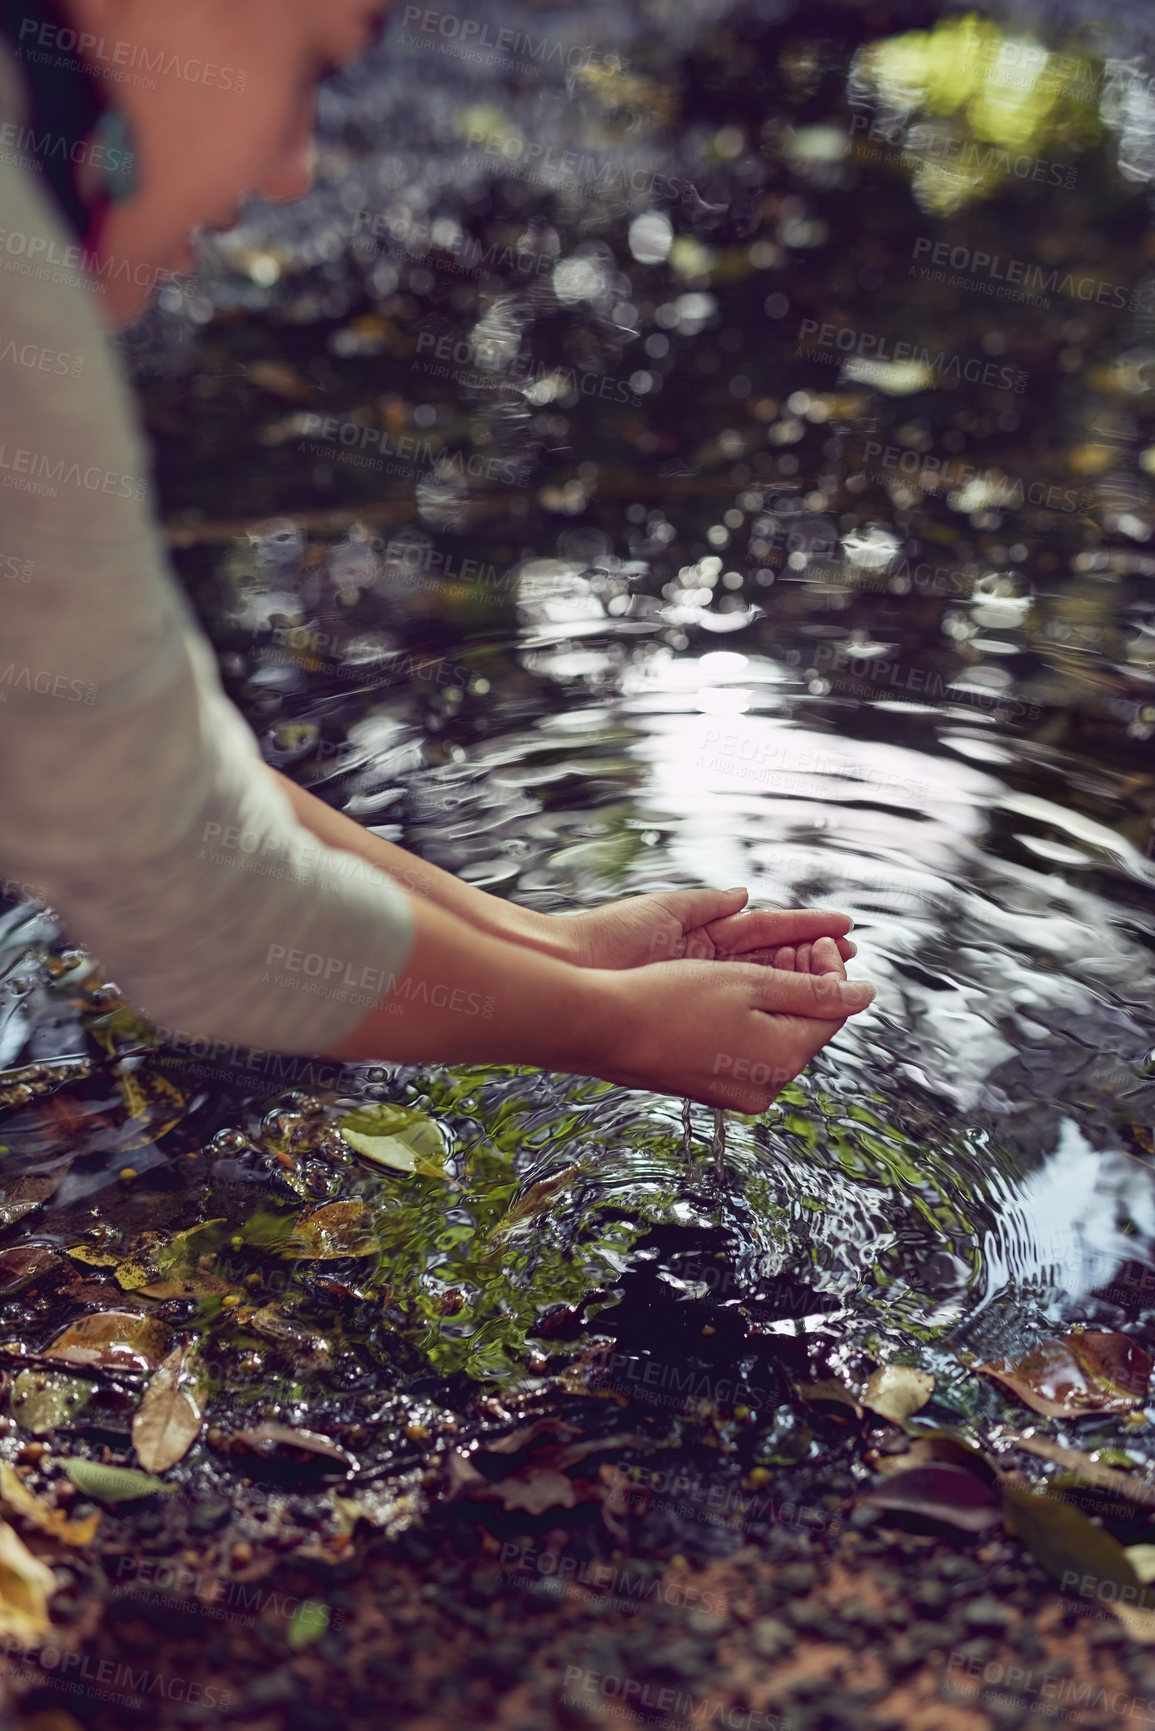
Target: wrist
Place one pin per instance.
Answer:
(592, 1035)
(551, 935)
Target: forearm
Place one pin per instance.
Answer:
(467, 997)
(484, 913)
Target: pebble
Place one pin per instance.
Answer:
(987, 1613)
(769, 1637)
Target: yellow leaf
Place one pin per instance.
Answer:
(93, 1257)
(1142, 1561)
(49, 1520)
(26, 1585)
(111, 1339)
(894, 1391)
(335, 1229)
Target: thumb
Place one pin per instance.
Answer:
(696, 908)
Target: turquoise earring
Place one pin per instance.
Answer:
(114, 155)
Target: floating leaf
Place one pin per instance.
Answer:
(22, 1264)
(93, 1256)
(940, 1492)
(114, 1484)
(26, 1585)
(335, 1229)
(184, 1267)
(168, 1419)
(1087, 1372)
(310, 1620)
(155, 1106)
(23, 1195)
(42, 1515)
(537, 1198)
(894, 1391)
(1114, 1360)
(111, 1340)
(43, 1400)
(396, 1136)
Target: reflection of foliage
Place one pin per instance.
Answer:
(988, 99)
(473, 1271)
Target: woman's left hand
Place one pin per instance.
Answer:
(692, 925)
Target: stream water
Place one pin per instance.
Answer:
(706, 457)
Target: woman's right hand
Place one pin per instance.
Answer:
(729, 1034)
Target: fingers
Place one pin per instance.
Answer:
(772, 956)
(826, 996)
(827, 958)
(802, 959)
(764, 928)
(696, 908)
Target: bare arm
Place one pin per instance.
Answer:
(485, 913)
(702, 924)
(729, 1034)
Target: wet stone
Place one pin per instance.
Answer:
(769, 1637)
(987, 1613)
(804, 1615)
(208, 1514)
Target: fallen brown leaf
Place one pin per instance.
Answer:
(168, 1419)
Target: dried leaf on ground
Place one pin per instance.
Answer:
(335, 1229)
(114, 1484)
(272, 1438)
(1077, 1373)
(16, 1495)
(168, 1419)
(939, 1445)
(26, 1585)
(894, 1391)
(939, 1492)
(111, 1340)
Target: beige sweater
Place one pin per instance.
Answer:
(132, 795)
